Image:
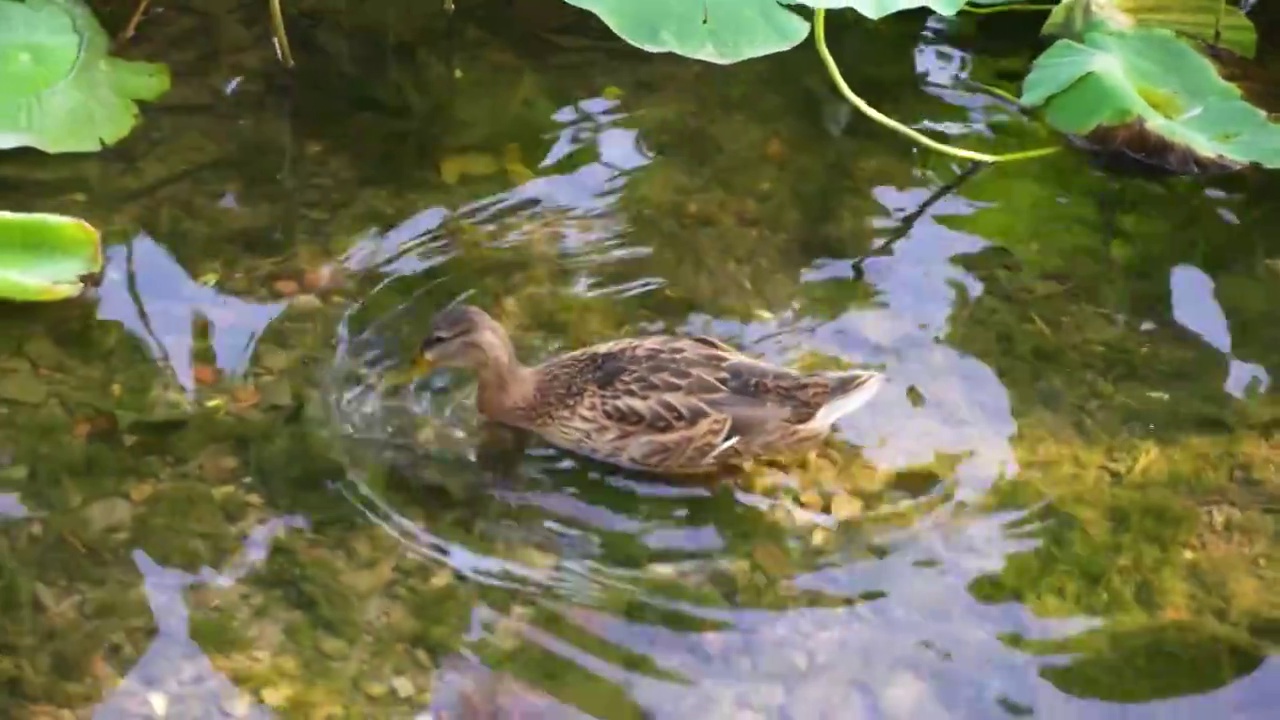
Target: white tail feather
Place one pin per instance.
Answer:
(850, 401)
(723, 446)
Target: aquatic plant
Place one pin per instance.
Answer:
(60, 90)
(1101, 94)
(1127, 75)
(1146, 89)
(46, 257)
(1210, 21)
(719, 31)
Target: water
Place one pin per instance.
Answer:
(213, 507)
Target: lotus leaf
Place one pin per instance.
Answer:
(46, 257)
(1199, 19)
(727, 31)
(61, 91)
(876, 9)
(1154, 86)
(718, 31)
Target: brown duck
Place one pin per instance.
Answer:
(662, 404)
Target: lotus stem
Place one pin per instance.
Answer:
(278, 32)
(1217, 23)
(1029, 7)
(820, 40)
(997, 92)
(132, 27)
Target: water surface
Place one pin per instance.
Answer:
(1062, 505)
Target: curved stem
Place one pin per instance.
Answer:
(277, 30)
(984, 9)
(132, 27)
(820, 39)
(996, 92)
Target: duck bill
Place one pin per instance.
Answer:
(422, 365)
(408, 375)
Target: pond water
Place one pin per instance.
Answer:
(1062, 504)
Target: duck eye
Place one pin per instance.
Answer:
(437, 338)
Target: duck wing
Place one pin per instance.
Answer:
(666, 402)
(643, 403)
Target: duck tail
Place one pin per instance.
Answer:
(849, 391)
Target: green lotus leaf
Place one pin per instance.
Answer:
(718, 31)
(1194, 18)
(876, 9)
(46, 257)
(61, 91)
(1154, 94)
(727, 31)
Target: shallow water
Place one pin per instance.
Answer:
(1062, 505)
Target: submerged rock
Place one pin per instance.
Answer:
(23, 386)
(846, 507)
(110, 513)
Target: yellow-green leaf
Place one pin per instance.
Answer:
(1153, 89)
(1210, 21)
(46, 257)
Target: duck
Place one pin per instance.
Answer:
(661, 404)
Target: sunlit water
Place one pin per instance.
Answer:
(349, 544)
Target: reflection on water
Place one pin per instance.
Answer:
(905, 636)
(466, 689)
(799, 660)
(1196, 309)
(588, 191)
(11, 507)
(174, 678)
(961, 408)
(152, 296)
(537, 584)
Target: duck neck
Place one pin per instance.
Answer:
(505, 385)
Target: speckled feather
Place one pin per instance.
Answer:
(676, 404)
(662, 403)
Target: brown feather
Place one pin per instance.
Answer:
(660, 403)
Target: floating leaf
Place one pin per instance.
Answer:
(46, 257)
(1194, 18)
(876, 9)
(718, 31)
(1149, 93)
(61, 91)
(727, 31)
